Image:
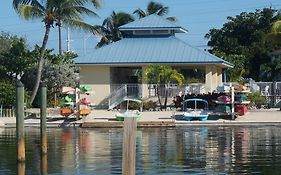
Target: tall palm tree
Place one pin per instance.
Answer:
(53, 12)
(154, 8)
(109, 30)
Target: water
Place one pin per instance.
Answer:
(180, 150)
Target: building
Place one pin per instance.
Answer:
(150, 40)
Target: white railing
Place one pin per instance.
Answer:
(173, 90)
(116, 96)
(124, 90)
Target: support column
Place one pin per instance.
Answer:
(208, 79)
(145, 93)
(219, 74)
(214, 77)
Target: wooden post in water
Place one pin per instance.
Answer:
(43, 113)
(44, 164)
(21, 168)
(129, 146)
(20, 121)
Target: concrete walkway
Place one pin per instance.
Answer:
(104, 118)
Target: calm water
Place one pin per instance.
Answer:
(180, 150)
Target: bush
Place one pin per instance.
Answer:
(257, 99)
(149, 105)
(8, 94)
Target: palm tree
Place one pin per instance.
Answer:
(163, 76)
(275, 34)
(53, 12)
(154, 8)
(109, 30)
(276, 27)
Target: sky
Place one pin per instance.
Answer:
(197, 16)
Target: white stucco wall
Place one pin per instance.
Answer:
(99, 78)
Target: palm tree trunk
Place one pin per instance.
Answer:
(60, 44)
(166, 98)
(158, 95)
(40, 63)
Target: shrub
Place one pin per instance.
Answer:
(257, 99)
(149, 105)
(7, 94)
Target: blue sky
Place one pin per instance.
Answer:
(198, 16)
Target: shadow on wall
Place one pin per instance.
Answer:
(102, 105)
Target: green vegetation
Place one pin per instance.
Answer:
(19, 63)
(53, 12)
(244, 41)
(109, 29)
(154, 8)
(163, 76)
(257, 99)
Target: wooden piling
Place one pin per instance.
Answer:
(129, 146)
(44, 165)
(20, 122)
(21, 168)
(43, 113)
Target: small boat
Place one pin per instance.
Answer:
(199, 114)
(129, 113)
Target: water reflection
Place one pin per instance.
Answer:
(180, 150)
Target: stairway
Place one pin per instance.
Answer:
(124, 91)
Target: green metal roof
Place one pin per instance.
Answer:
(148, 50)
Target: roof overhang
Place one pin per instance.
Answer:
(193, 64)
(176, 29)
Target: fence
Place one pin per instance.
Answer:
(271, 90)
(10, 112)
(173, 90)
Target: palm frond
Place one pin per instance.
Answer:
(172, 18)
(18, 3)
(96, 3)
(153, 7)
(140, 13)
(29, 12)
(81, 25)
(162, 11)
(78, 10)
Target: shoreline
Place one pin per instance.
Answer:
(106, 119)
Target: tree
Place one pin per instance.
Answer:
(109, 29)
(245, 36)
(154, 8)
(14, 57)
(275, 34)
(58, 71)
(163, 76)
(49, 11)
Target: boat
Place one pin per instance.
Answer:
(129, 113)
(199, 114)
